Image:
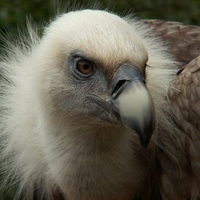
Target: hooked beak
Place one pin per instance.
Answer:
(130, 103)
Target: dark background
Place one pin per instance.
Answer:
(14, 13)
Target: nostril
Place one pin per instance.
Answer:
(119, 87)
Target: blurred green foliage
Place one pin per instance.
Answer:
(16, 12)
(13, 12)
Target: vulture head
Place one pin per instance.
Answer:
(83, 102)
(91, 79)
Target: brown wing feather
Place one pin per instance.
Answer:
(181, 180)
(184, 40)
(184, 95)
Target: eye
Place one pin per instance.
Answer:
(84, 67)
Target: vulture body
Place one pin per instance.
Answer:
(102, 108)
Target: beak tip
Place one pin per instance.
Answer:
(144, 144)
(143, 133)
(144, 139)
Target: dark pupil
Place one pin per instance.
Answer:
(86, 66)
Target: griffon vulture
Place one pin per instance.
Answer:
(102, 108)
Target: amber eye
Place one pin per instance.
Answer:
(84, 66)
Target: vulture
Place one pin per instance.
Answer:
(101, 107)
